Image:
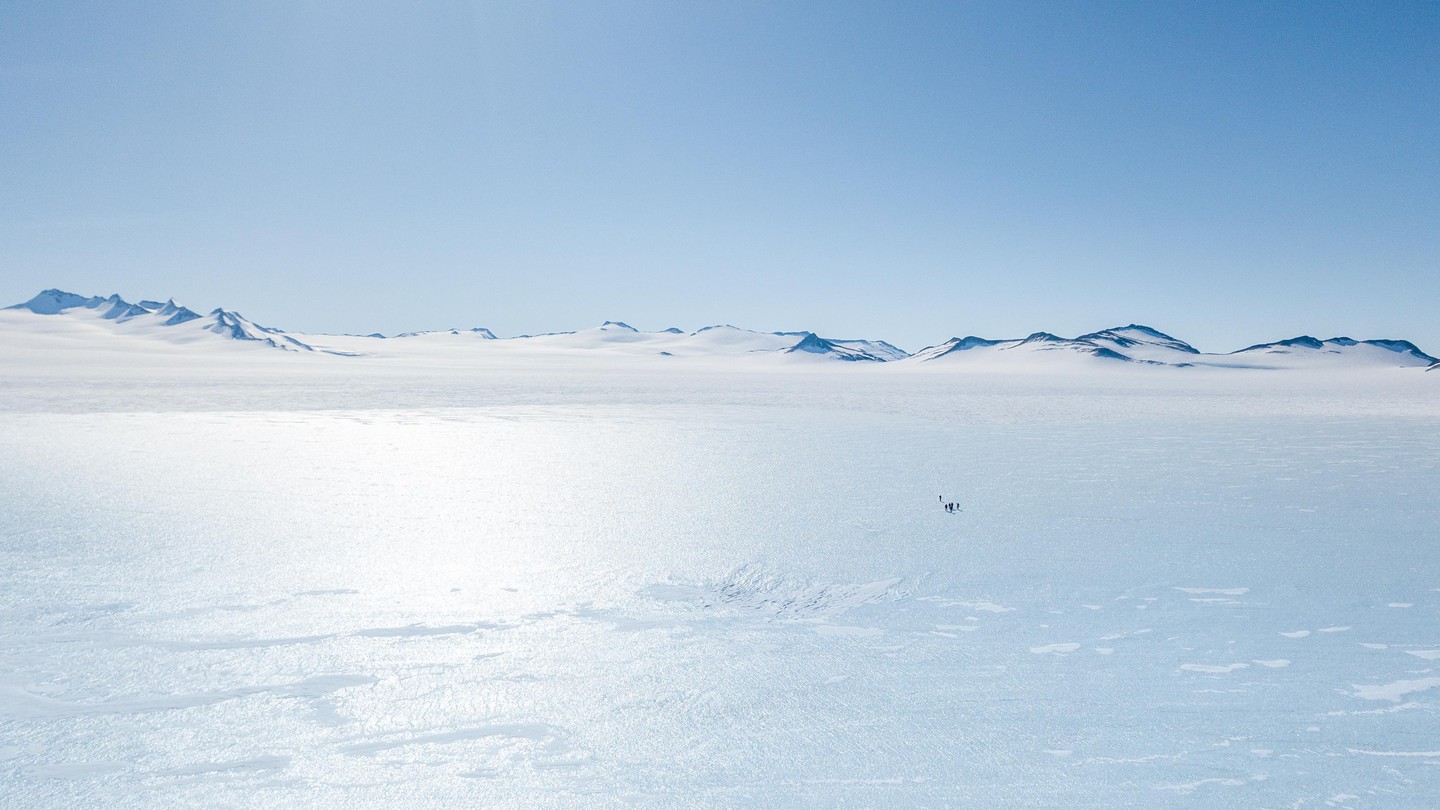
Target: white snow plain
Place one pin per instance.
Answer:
(236, 577)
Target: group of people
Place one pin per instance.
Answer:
(949, 507)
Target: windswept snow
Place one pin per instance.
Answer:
(592, 575)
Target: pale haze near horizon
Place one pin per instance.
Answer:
(1229, 173)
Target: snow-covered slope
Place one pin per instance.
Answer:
(478, 332)
(71, 322)
(1039, 349)
(1306, 351)
(876, 348)
(712, 341)
(165, 321)
(618, 339)
(1145, 345)
(64, 313)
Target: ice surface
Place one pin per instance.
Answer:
(265, 579)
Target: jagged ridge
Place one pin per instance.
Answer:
(222, 322)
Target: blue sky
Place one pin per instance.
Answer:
(1227, 172)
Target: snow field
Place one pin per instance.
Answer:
(618, 589)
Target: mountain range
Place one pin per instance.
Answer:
(1133, 344)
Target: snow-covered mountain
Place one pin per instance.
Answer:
(173, 323)
(617, 337)
(167, 320)
(1148, 346)
(1309, 351)
(973, 348)
(93, 318)
(1133, 344)
(1141, 343)
(478, 332)
(620, 339)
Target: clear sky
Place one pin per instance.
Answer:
(1227, 172)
